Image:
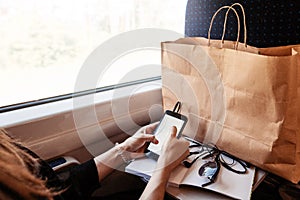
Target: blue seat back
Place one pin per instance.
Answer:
(269, 22)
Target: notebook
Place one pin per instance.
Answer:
(238, 186)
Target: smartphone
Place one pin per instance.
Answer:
(163, 129)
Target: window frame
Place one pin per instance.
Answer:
(50, 125)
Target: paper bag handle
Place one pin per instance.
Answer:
(244, 21)
(213, 18)
(225, 22)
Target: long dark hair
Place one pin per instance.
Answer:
(18, 171)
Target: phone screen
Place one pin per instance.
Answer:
(164, 129)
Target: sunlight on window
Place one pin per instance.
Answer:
(44, 43)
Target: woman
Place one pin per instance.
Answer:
(24, 176)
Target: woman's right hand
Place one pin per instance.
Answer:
(173, 152)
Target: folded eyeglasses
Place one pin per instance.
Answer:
(211, 168)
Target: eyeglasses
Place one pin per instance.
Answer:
(197, 150)
(211, 168)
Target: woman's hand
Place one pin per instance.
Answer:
(173, 152)
(133, 147)
(137, 143)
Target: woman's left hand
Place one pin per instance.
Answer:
(137, 143)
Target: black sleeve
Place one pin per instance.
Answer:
(82, 181)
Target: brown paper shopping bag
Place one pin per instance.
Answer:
(297, 50)
(244, 102)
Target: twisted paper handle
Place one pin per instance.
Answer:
(225, 23)
(244, 21)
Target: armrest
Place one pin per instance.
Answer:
(63, 162)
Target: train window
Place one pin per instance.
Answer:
(45, 43)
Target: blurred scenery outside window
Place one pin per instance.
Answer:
(45, 42)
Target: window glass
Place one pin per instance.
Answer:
(44, 43)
